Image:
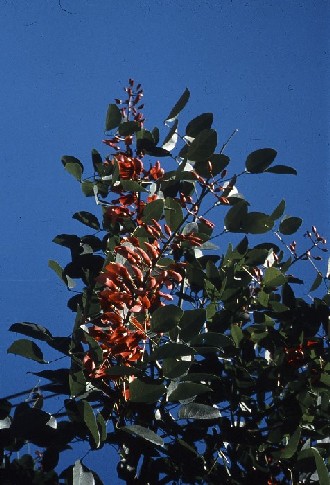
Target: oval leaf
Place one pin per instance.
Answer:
(258, 161)
(73, 166)
(165, 318)
(28, 349)
(153, 210)
(273, 278)
(257, 223)
(144, 433)
(88, 219)
(282, 169)
(31, 330)
(186, 390)
(173, 213)
(140, 391)
(198, 411)
(318, 280)
(113, 117)
(203, 146)
(201, 122)
(278, 212)
(289, 225)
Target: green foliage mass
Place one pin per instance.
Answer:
(199, 365)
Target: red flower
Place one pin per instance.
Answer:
(129, 168)
(156, 171)
(115, 213)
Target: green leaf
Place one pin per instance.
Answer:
(218, 163)
(179, 106)
(77, 383)
(113, 117)
(289, 225)
(60, 273)
(128, 128)
(186, 390)
(258, 161)
(31, 330)
(257, 223)
(80, 476)
(278, 212)
(145, 433)
(171, 349)
(73, 166)
(212, 339)
(173, 368)
(321, 467)
(173, 213)
(165, 318)
(282, 169)
(198, 411)
(318, 280)
(235, 217)
(155, 135)
(191, 323)
(203, 146)
(201, 122)
(153, 210)
(88, 417)
(273, 278)
(28, 349)
(88, 219)
(102, 426)
(132, 186)
(172, 138)
(142, 392)
(236, 333)
(96, 160)
(291, 448)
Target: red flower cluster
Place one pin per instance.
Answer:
(130, 168)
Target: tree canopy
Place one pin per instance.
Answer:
(199, 362)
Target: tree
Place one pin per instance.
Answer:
(199, 366)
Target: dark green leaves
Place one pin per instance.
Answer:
(165, 318)
(260, 160)
(289, 225)
(73, 166)
(178, 106)
(153, 210)
(203, 146)
(113, 117)
(128, 128)
(173, 213)
(282, 169)
(88, 219)
(273, 278)
(31, 330)
(238, 219)
(201, 122)
(26, 348)
(141, 391)
(186, 390)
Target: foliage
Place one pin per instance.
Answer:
(199, 365)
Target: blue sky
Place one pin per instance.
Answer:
(259, 66)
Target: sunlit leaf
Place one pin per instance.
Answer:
(80, 476)
(28, 349)
(173, 213)
(322, 470)
(60, 273)
(73, 166)
(183, 100)
(198, 411)
(289, 225)
(113, 117)
(153, 210)
(259, 161)
(145, 433)
(172, 138)
(273, 278)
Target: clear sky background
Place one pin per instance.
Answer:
(260, 66)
